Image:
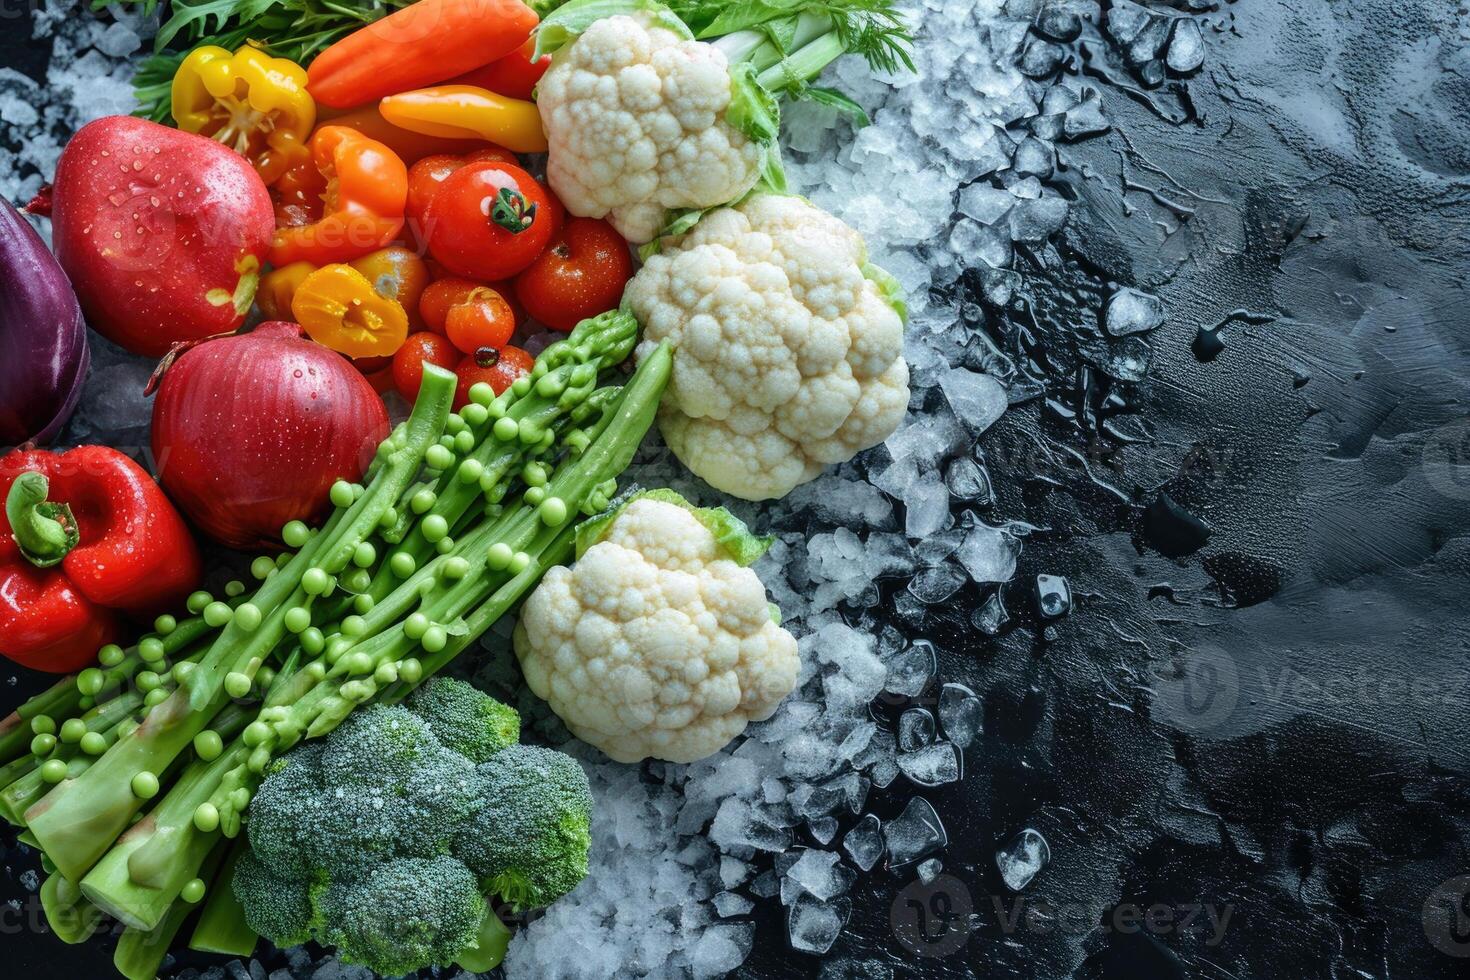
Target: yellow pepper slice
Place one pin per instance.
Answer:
(467, 112)
(339, 308)
(256, 105)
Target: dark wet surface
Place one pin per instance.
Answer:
(1245, 743)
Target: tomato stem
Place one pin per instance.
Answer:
(511, 211)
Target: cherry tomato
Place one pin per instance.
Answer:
(484, 319)
(418, 349)
(488, 221)
(498, 369)
(440, 297)
(582, 274)
(426, 176)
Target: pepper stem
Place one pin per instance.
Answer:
(45, 532)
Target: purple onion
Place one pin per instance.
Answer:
(43, 339)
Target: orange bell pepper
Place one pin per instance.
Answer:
(366, 190)
(338, 308)
(464, 111)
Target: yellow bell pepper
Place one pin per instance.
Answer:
(339, 308)
(467, 112)
(256, 105)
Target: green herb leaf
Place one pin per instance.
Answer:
(855, 113)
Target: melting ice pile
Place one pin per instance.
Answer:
(951, 176)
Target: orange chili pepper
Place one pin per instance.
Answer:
(339, 308)
(367, 187)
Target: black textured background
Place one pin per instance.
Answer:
(1272, 722)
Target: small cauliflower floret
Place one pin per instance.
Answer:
(788, 357)
(655, 644)
(635, 119)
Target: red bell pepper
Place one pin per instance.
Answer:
(87, 539)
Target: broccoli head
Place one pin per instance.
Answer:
(384, 838)
(529, 842)
(404, 914)
(280, 909)
(466, 720)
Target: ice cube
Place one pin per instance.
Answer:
(857, 740)
(984, 203)
(977, 399)
(937, 583)
(1053, 596)
(932, 765)
(914, 834)
(733, 871)
(991, 617)
(864, 842)
(929, 870)
(915, 729)
(1128, 360)
(822, 829)
(1132, 311)
(911, 671)
(719, 950)
(1085, 118)
(989, 553)
(766, 885)
(975, 243)
(1186, 47)
(737, 824)
(968, 481)
(812, 926)
(729, 904)
(1033, 222)
(960, 713)
(820, 874)
(926, 504)
(1034, 157)
(1022, 859)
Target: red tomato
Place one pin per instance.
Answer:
(488, 221)
(418, 349)
(484, 319)
(440, 297)
(498, 369)
(426, 177)
(514, 75)
(582, 274)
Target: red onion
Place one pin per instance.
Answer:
(251, 431)
(43, 340)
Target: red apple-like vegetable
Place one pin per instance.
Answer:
(251, 431)
(161, 232)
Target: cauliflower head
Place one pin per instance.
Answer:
(655, 643)
(788, 345)
(634, 111)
